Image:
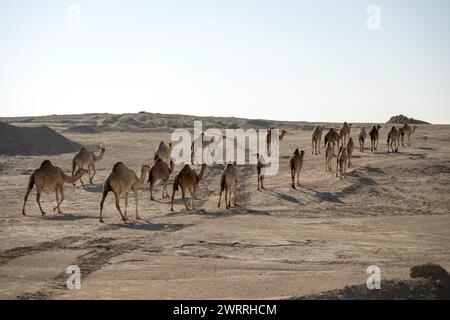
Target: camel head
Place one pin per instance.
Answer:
(302, 153)
(379, 127)
(145, 168)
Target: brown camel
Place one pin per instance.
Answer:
(187, 179)
(374, 133)
(316, 138)
(269, 139)
(393, 139)
(123, 180)
(407, 131)
(328, 156)
(260, 165)
(50, 177)
(362, 135)
(163, 152)
(350, 148)
(296, 165)
(228, 179)
(85, 159)
(341, 162)
(332, 137)
(159, 171)
(203, 144)
(345, 132)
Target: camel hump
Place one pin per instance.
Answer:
(46, 163)
(118, 167)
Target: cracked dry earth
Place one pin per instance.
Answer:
(391, 210)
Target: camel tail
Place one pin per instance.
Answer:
(222, 183)
(74, 165)
(31, 182)
(175, 183)
(106, 188)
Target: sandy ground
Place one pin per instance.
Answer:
(391, 210)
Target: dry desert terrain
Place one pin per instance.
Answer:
(391, 210)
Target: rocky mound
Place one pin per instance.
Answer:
(29, 141)
(404, 119)
(82, 129)
(428, 282)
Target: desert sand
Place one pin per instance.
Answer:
(391, 210)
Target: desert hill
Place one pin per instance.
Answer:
(404, 119)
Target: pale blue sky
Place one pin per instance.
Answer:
(288, 60)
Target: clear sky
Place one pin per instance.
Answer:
(312, 60)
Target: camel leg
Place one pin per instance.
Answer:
(320, 141)
(25, 201)
(173, 196)
(105, 193)
(293, 178)
(38, 200)
(298, 178)
(136, 201)
(126, 203)
(220, 195)
(58, 202)
(117, 195)
(151, 189)
(192, 197)
(235, 191)
(262, 181)
(91, 179)
(226, 197)
(183, 196)
(337, 168)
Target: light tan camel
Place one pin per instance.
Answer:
(350, 148)
(332, 137)
(341, 163)
(202, 145)
(50, 177)
(269, 139)
(260, 165)
(345, 132)
(163, 152)
(316, 138)
(85, 159)
(123, 180)
(228, 180)
(328, 156)
(374, 134)
(393, 139)
(187, 179)
(362, 135)
(407, 131)
(296, 165)
(159, 171)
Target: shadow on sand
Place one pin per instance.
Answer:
(66, 217)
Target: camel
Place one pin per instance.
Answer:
(50, 177)
(159, 171)
(328, 156)
(316, 138)
(260, 165)
(374, 133)
(350, 148)
(407, 131)
(201, 141)
(123, 180)
(333, 137)
(341, 162)
(187, 179)
(296, 165)
(86, 159)
(362, 135)
(269, 139)
(228, 179)
(163, 152)
(345, 132)
(393, 139)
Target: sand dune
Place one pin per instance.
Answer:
(391, 210)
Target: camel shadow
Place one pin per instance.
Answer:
(281, 196)
(233, 211)
(66, 217)
(146, 226)
(373, 170)
(95, 188)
